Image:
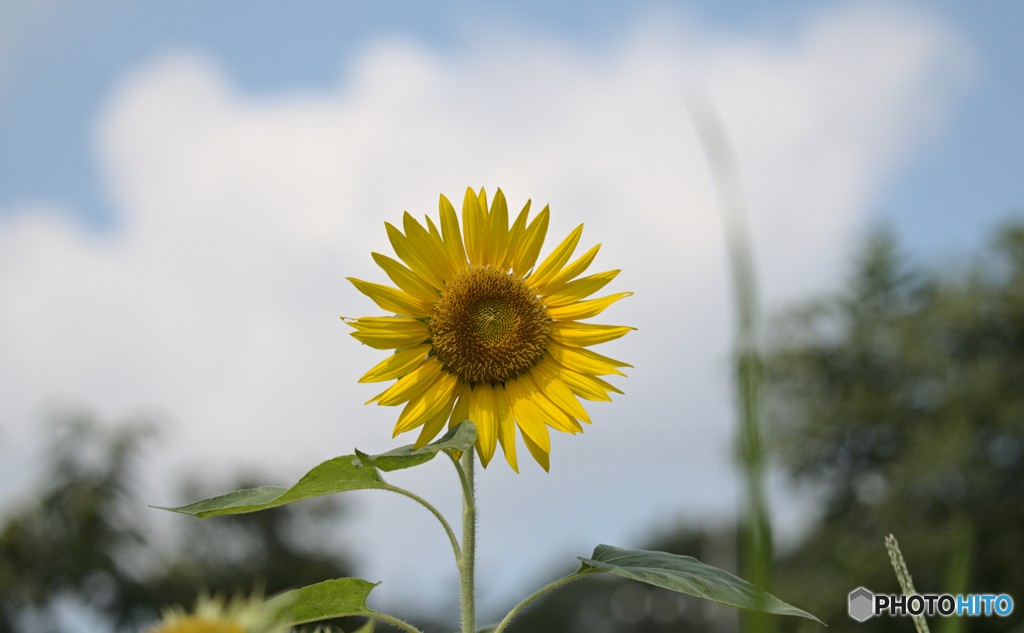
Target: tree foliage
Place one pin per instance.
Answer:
(901, 401)
(85, 549)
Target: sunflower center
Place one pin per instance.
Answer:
(488, 326)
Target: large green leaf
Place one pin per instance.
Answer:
(348, 472)
(329, 599)
(335, 475)
(690, 576)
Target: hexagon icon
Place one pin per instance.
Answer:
(862, 604)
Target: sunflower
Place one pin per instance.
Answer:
(213, 615)
(484, 333)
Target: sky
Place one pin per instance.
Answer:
(185, 187)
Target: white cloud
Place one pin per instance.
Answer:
(218, 295)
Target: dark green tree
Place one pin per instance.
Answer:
(901, 402)
(85, 542)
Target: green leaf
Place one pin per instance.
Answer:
(690, 576)
(335, 475)
(459, 438)
(348, 472)
(329, 599)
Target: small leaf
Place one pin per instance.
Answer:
(335, 475)
(459, 438)
(329, 599)
(690, 576)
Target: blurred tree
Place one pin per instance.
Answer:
(901, 401)
(83, 550)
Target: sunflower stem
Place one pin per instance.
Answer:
(467, 562)
(466, 492)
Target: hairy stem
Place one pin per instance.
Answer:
(392, 621)
(433, 510)
(467, 561)
(543, 590)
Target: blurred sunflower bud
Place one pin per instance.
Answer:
(215, 615)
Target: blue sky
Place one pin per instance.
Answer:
(185, 186)
(61, 65)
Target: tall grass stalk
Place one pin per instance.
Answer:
(755, 542)
(903, 576)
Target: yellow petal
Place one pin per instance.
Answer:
(406, 279)
(554, 262)
(583, 386)
(452, 234)
(411, 385)
(397, 365)
(430, 251)
(584, 361)
(515, 235)
(434, 425)
(583, 334)
(603, 384)
(482, 199)
(584, 309)
(497, 222)
(531, 243)
(485, 241)
(553, 416)
(506, 426)
(428, 404)
(396, 333)
(481, 412)
(392, 300)
(391, 323)
(580, 289)
(569, 272)
(473, 222)
(559, 393)
(529, 418)
(435, 235)
(460, 412)
(408, 254)
(538, 453)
